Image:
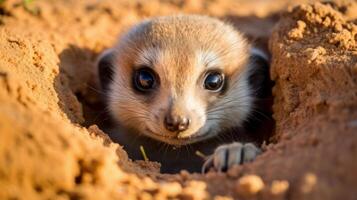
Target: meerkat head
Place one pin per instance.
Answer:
(178, 79)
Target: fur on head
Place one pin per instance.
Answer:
(175, 55)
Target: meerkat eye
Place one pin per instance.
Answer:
(145, 79)
(214, 81)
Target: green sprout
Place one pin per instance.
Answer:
(143, 153)
(200, 154)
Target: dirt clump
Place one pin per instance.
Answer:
(249, 185)
(50, 147)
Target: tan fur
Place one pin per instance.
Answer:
(180, 49)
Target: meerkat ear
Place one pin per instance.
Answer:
(105, 68)
(259, 77)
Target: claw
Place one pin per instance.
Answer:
(220, 158)
(226, 156)
(250, 152)
(207, 164)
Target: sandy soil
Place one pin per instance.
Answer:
(50, 147)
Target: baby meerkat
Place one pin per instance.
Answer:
(181, 80)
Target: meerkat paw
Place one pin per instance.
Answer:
(225, 156)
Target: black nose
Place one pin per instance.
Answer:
(176, 123)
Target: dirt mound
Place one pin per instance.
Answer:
(48, 49)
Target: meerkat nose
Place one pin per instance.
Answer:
(176, 123)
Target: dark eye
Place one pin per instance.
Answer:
(145, 79)
(214, 81)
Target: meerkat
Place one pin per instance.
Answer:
(182, 80)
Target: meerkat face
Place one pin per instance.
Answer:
(178, 79)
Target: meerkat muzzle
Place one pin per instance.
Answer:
(176, 123)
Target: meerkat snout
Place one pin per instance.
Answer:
(176, 123)
(177, 117)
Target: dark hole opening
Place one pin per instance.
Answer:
(259, 129)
